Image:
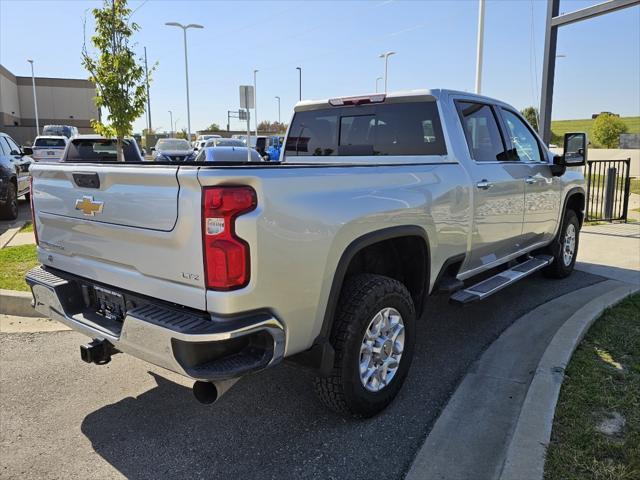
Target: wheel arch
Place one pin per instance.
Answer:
(320, 356)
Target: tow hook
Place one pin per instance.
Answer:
(99, 351)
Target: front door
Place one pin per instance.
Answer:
(542, 202)
(498, 187)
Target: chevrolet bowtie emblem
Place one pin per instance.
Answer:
(88, 206)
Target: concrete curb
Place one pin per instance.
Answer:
(7, 236)
(17, 304)
(527, 451)
(497, 423)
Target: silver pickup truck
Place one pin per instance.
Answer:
(326, 258)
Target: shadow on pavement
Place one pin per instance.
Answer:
(271, 426)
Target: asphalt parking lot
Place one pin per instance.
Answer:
(62, 418)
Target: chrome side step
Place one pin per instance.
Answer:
(494, 284)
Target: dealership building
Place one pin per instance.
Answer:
(61, 101)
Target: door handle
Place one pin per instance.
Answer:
(484, 184)
(530, 180)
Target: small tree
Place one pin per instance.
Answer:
(118, 77)
(606, 130)
(531, 115)
(214, 127)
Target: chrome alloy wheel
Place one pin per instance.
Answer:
(381, 349)
(569, 247)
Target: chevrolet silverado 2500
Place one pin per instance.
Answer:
(326, 258)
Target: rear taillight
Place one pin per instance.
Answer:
(226, 256)
(33, 212)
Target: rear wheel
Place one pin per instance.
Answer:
(373, 336)
(564, 248)
(9, 211)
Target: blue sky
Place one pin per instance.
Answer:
(337, 45)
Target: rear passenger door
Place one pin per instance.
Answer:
(542, 190)
(498, 186)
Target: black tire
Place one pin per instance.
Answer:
(9, 210)
(362, 297)
(561, 268)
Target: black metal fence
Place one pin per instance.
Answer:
(608, 185)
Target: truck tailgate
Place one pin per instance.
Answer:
(120, 225)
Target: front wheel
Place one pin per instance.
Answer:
(373, 336)
(564, 248)
(9, 211)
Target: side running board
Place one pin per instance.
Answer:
(494, 284)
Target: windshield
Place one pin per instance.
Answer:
(49, 142)
(172, 144)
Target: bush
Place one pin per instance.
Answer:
(606, 130)
(531, 115)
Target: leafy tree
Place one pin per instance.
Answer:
(531, 115)
(272, 127)
(606, 130)
(119, 77)
(182, 134)
(214, 127)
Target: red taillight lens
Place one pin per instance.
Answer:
(226, 256)
(33, 212)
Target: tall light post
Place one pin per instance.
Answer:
(386, 56)
(186, 67)
(35, 99)
(278, 98)
(170, 123)
(299, 83)
(255, 101)
(480, 46)
(377, 80)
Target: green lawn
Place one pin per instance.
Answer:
(602, 380)
(14, 263)
(28, 227)
(560, 127)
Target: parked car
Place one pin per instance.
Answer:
(327, 258)
(14, 176)
(68, 131)
(98, 149)
(202, 139)
(173, 150)
(229, 154)
(49, 147)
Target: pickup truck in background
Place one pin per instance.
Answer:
(326, 258)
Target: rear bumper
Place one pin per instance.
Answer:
(191, 343)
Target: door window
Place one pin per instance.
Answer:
(522, 138)
(482, 133)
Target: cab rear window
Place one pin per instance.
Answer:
(381, 129)
(100, 150)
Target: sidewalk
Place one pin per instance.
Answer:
(498, 422)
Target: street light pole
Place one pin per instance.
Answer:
(170, 123)
(146, 72)
(386, 56)
(186, 67)
(255, 102)
(35, 99)
(277, 97)
(480, 46)
(299, 83)
(377, 79)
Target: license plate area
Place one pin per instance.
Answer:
(109, 304)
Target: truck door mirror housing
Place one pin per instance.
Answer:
(575, 149)
(574, 155)
(27, 151)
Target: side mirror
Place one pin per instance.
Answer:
(575, 149)
(27, 151)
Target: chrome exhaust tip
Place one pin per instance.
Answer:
(210, 392)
